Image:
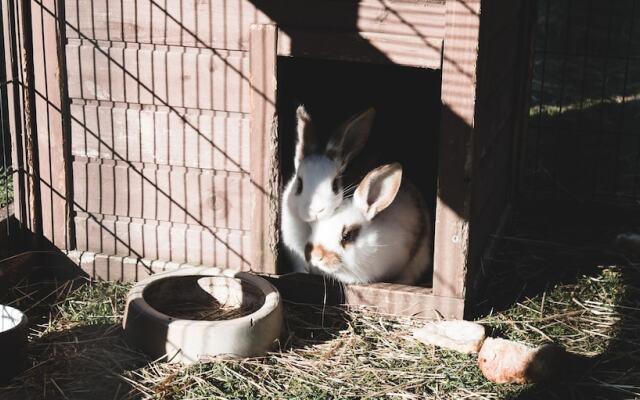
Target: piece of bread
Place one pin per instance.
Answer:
(462, 336)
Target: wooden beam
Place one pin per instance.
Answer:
(451, 255)
(46, 143)
(265, 169)
(381, 48)
(383, 298)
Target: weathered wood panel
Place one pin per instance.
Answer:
(265, 168)
(422, 18)
(43, 120)
(173, 194)
(384, 298)
(120, 268)
(14, 117)
(188, 138)
(165, 241)
(451, 252)
(167, 76)
(362, 47)
(225, 24)
(502, 66)
(220, 24)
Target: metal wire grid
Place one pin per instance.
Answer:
(11, 122)
(583, 139)
(6, 170)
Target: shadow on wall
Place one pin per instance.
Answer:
(115, 190)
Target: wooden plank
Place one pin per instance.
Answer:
(451, 249)
(172, 194)
(265, 169)
(383, 48)
(154, 240)
(188, 138)
(499, 118)
(13, 120)
(167, 76)
(44, 130)
(383, 298)
(222, 24)
(404, 300)
(30, 134)
(120, 268)
(225, 24)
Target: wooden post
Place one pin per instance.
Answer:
(265, 169)
(451, 255)
(45, 139)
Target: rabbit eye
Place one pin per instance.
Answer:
(335, 185)
(349, 235)
(299, 186)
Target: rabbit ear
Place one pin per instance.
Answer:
(378, 189)
(351, 137)
(306, 144)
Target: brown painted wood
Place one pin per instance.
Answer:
(14, 114)
(153, 240)
(117, 268)
(421, 18)
(224, 24)
(499, 119)
(381, 48)
(120, 268)
(31, 154)
(175, 151)
(265, 170)
(451, 253)
(163, 136)
(44, 131)
(174, 194)
(383, 298)
(167, 76)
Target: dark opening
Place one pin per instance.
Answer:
(407, 122)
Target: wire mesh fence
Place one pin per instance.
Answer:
(584, 123)
(6, 171)
(11, 121)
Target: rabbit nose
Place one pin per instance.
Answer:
(317, 211)
(314, 252)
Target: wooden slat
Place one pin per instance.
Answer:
(225, 24)
(404, 300)
(188, 138)
(44, 129)
(165, 241)
(220, 24)
(381, 48)
(120, 268)
(173, 194)
(384, 298)
(265, 169)
(499, 119)
(14, 116)
(451, 248)
(167, 76)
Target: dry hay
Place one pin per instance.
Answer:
(212, 311)
(77, 350)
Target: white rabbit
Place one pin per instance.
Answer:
(383, 234)
(315, 189)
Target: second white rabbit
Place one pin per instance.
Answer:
(382, 234)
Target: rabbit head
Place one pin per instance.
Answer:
(368, 238)
(317, 185)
